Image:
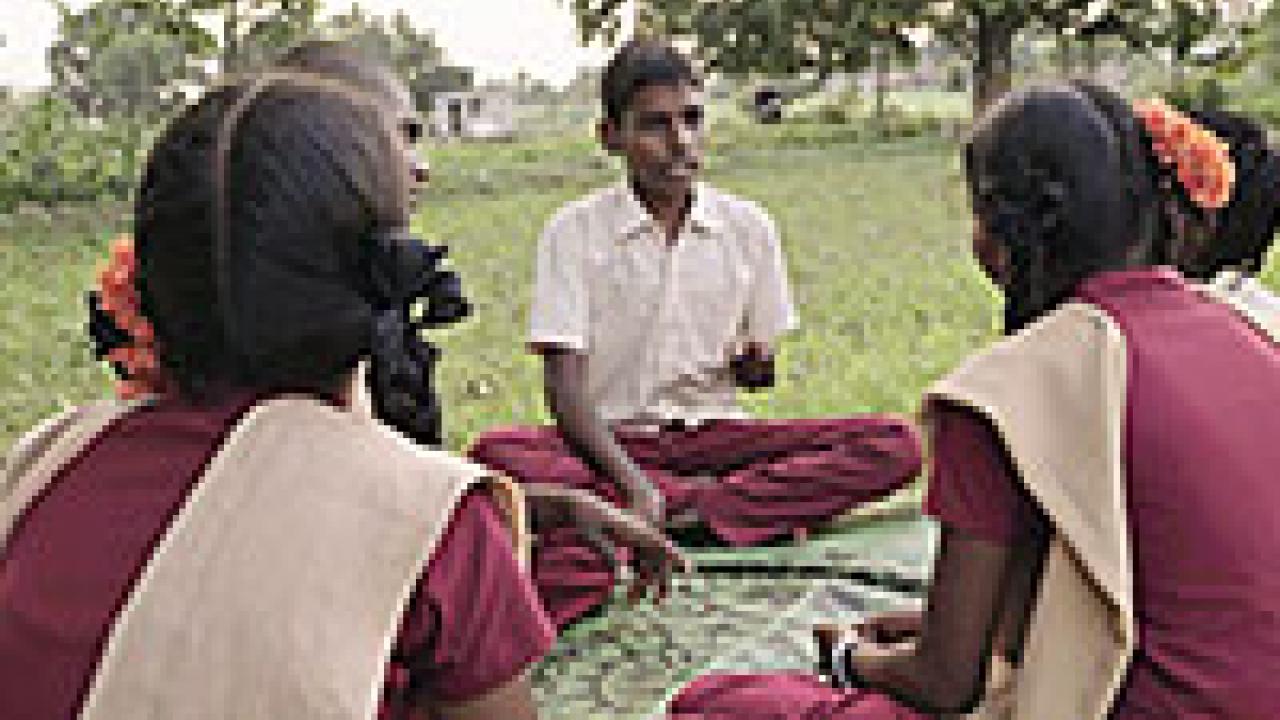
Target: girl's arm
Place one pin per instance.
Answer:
(945, 671)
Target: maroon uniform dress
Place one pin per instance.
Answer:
(1202, 448)
(474, 623)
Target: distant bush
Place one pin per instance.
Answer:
(899, 125)
(789, 134)
(1264, 106)
(840, 109)
(51, 154)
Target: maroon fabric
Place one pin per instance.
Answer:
(76, 552)
(780, 696)
(970, 487)
(1201, 455)
(772, 478)
(1202, 452)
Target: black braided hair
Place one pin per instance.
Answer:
(1059, 186)
(413, 292)
(105, 335)
(173, 236)
(1244, 230)
(1151, 184)
(308, 268)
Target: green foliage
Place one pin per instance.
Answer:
(121, 68)
(791, 36)
(741, 37)
(876, 236)
(253, 32)
(1264, 105)
(52, 154)
(128, 58)
(844, 119)
(861, 222)
(413, 53)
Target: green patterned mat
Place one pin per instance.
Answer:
(748, 610)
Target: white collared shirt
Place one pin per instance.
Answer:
(659, 322)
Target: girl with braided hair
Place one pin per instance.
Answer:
(237, 541)
(1225, 246)
(1103, 476)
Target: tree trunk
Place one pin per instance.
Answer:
(993, 68)
(1180, 55)
(1093, 58)
(230, 37)
(883, 66)
(1065, 64)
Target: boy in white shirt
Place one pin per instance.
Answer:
(654, 300)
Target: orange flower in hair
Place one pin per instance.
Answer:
(1196, 157)
(123, 336)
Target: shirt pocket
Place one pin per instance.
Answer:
(625, 282)
(717, 281)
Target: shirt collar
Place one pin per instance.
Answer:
(634, 217)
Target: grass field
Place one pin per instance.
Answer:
(889, 299)
(876, 237)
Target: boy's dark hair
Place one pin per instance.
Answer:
(640, 63)
(1246, 227)
(1063, 181)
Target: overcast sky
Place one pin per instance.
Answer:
(497, 37)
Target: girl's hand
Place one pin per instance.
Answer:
(653, 556)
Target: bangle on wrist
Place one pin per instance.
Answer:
(843, 675)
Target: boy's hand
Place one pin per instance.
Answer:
(753, 368)
(644, 498)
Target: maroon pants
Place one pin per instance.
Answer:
(774, 477)
(779, 696)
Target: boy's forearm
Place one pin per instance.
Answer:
(588, 435)
(581, 425)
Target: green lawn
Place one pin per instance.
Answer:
(889, 299)
(876, 237)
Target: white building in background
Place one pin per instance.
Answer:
(474, 114)
(1242, 10)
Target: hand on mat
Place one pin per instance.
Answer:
(892, 627)
(653, 556)
(886, 633)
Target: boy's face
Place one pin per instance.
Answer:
(660, 136)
